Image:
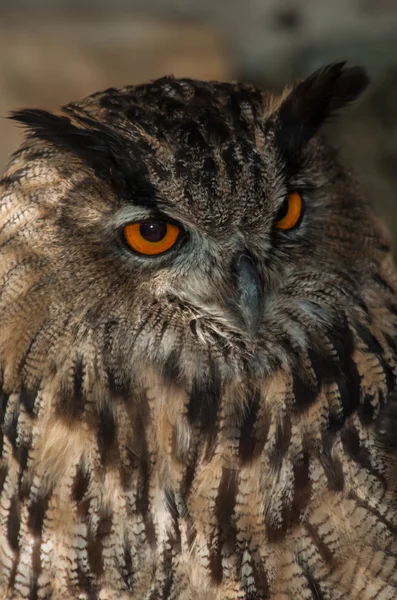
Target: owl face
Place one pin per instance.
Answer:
(185, 224)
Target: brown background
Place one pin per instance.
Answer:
(53, 51)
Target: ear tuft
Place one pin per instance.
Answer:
(85, 137)
(313, 100)
(95, 143)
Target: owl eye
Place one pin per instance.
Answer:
(151, 237)
(290, 211)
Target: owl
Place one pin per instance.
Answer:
(198, 351)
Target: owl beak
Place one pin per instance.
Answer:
(249, 292)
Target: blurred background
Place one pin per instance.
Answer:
(54, 51)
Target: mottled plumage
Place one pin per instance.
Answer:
(168, 431)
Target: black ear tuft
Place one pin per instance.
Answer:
(91, 141)
(313, 100)
(98, 145)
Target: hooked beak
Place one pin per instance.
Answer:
(249, 293)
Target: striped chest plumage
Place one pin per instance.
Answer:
(280, 491)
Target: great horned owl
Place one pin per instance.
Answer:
(198, 352)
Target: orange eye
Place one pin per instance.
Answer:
(151, 237)
(290, 211)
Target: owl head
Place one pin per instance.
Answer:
(201, 229)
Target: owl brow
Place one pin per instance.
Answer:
(144, 210)
(156, 204)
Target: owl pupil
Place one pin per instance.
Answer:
(153, 232)
(283, 210)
